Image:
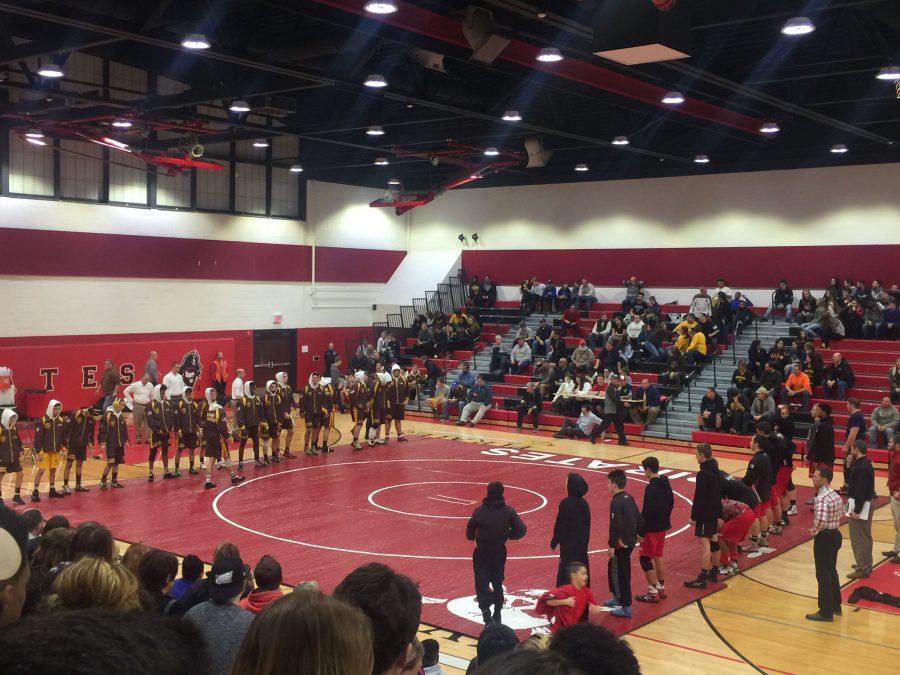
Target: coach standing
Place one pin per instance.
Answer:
(827, 507)
(861, 492)
(490, 526)
(137, 397)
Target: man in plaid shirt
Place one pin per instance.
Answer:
(827, 539)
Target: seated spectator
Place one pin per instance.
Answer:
(797, 387)
(381, 345)
(599, 332)
(523, 332)
(199, 591)
(393, 604)
(653, 312)
(771, 378)
(588, 425)
(812, 363)
(583, 358)
(424, 343)
(894, 381)
(762, 405)
(737, 413)
(15, 572)
(644, 412)
(688, 321)
(653, 345)
(885, 419)
(92, 539)
(473, 296)
(548, 378)
(595, 650)
(617, 331)
(712, 408)
(675, 370)
(701, 303)
(499, 357)
(488, 292)
(742, 316)
(495, 640)
(851, 317)
(413, 664)
(548, 298)
(528, 662)
(267, 575)
(479, 402)
(555, 345)
(782, 296)
(520, 357)
(542, 334)
(890, 321)
(52, 551)
(433, 373)
(156, 574)
(806, 307)
(431, 657)
(570, 319)
(860, 292)
(696, 349)
(100, 641)
(779, 357)
(609, 357)
(632, 288)
(530, 404)
(739, 297)
(191, 570)
(838, 377)
(741, 380)
(639, 306)
(564, 297)
(220, 620)
(873, 318)
(473, 332)
(563, 395)
(93, 583)
(585, 297)
(440, 394)
(634, 329)
(133, 556)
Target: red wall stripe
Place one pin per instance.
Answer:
(742, 267)
(89, 254)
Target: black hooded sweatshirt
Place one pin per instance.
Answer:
(658, 504)
(708, 493)
(573, 520)
(493, 523)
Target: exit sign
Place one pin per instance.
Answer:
(276, 318)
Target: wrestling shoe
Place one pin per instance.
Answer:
(177, 473)
(209, 485)
(79, 488)
(35, 497)
(235, 479)
(103, 485)
(355, 445)
(150, 478)
(612, 602)
(18, 500)
(116, 484)
(647, 597)
(65, 491)
(192, 471)
(793, 510)
(168, 475)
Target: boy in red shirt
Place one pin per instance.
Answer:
(566, 605)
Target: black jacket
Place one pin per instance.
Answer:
(760, 475)
(658, 504)
(820, 445)
(841, 371)
(737, 490)
(533, 400)
(861, 485)
(624, 520)
(493, 523)
(784, 296)
(572, 530)
(715, 405)
(707, 493)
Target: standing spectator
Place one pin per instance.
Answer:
(860, 494)
(570, 319)
(137, 398)
(701, 303)
(572, 529)
(499, 357)
(152, 369)
(826, 544)
(885, 419)
(109, 381)
(329, 357)
(488, 292)
(586, 296)
(655, 522)
(267, 575)
(645, 410)
(174, 383)
(491, 525)
(529, 405)
(624, 519)
(237, 388)
(797, 387)
(712, 407)
(520, 356)
(221, 621)
(613, 408)
(479, 402)
(219, 370)
(782, 296)
(855, 431)
(705, 513)
(632, 288)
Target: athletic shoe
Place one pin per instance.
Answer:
(403, 438)
(237, 479)
(793, 510)
(371, 443)
(177, 473)
(209, 485)
(240, 466)
(150, 478)
(662, 593)
(725, 570)
(775, 529)
(890, 554)
(647, 597)
(894, 561)
(192, 471)
(810, 502)
(734, 567)
(78, 488)
(54, 494)
(497, 618)
(168, 475)
(18, 500)
(116, 484)
(35, 497)
(486, 616)
(856, 574)
(103, 485)
(258, 464)
(460, 423)
(763, 542)
(612, 602)
(559, 435)
(65, 491)
(622, 612)
(381, 441)
(289, 455)
(699, 582)
(355, 445)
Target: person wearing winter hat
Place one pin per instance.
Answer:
(214, 432)
(49, 441)
(113, 436)
(267, 575)
(358, 397)
(495, 640)
(490, 526)
(11, 451)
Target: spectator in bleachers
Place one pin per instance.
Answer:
(570, 319)
(737, 413)
(586, 296)
(609, 356)
(523, 332)
(894, 381)
(736, 301)
(796, 352)
(555, 345)
(778, 356)
(712, 408)
(473, 298)
(548, 379)
(771, 378)
(696, 349)
(742, 317)
(473, 332)
(525, 299)
(806, 307)
(861, 293)
(812, 363)
(441, 336)
(433, 373)
(838, 377)
(520, 357)
(52, 550)
(701, 303)
(711, 330)
(586, 426)
(741, 380)
(530, 404)
(479, 402)
(632, 288)
(646, 409)
(797, 387)
(653, 345)
(15, 572)
(541, 335)
(564, 297)
(890, 322)
(634, 328)
(440, 393)
(548, 297)
(267, 575)
(873, 318)
(460, 338)
(763, 404)
(653, 311)
(783, 297)
(617, 331)
(537, 294)
(638, 307)
(156, 574)
(381, 345)
(563, 396)
(675, 370)
(499, 357)
(885, 420)
(191, 571)
(488, 292)
(852, 318)
(583, 358)
(599, 332)
(614, 408)
(424, 342)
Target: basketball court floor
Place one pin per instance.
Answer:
(406, 505)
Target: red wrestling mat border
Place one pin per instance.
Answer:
(405, 505)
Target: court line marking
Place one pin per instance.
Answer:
(372, 501)
(226, 519)
(452, 500)
(702, 651)
(724, 640)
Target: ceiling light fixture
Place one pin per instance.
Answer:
(35, 141)
(114, 143)
(34, 133)
(549, 55)
(394, 181)
(673, 98)
(701, 159)
(239, 106)
(492, 151)
(889, 73)
(195, 41)
(839, 149)
(621, 140)
(382, 161)
(799, 25)
(121, 123)
(512, 116)
(376, 81)
(50, 69)
(296, 168)
(581, 167)
(261, 143)
(769, 128)
(381, 7)
(375, 130)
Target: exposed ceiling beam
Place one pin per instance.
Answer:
(41, 48)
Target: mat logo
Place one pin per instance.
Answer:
(190, 367)
(518, 609)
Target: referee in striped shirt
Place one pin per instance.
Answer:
(827, 508)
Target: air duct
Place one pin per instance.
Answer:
(642, 31)
(479, 31)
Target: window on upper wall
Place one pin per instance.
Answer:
(250, 188)
(81, 170)
(174, 191)
(285, 193)
(30, 167)
(127, 178)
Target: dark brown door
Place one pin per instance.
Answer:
(274, 351)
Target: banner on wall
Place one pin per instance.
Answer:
(70, 372)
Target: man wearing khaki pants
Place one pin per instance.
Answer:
(861, 490)
(137, 397)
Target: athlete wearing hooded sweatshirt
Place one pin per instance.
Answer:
(79, 435)
(378, 407)
(491, 525)
(572, 530)
(358, 395)
(312, 403)
(161, 420)
(49, 441)
(271, 419)
(214, 430)
(114, 435)
(397, 393)
(247, 417)
(11, 450)
(287, 405)
(188, 417)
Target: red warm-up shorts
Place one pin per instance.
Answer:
(760, 509)
(782, 478)
(653, 543)
(734, 530)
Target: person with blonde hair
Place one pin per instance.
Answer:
(93, 583)
(133, 556)
(310, 633)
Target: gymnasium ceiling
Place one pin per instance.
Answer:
(310, 57)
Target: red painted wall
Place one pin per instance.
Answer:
(743, 267)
